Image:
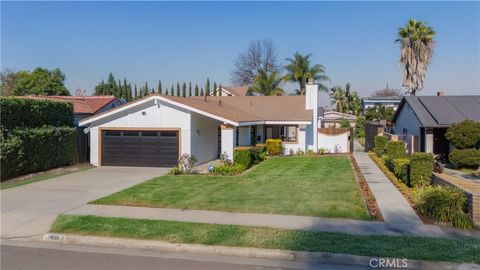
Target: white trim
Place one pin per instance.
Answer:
(288, 122)
(252, 123)
(129, 106)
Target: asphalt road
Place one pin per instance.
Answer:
(35, 255)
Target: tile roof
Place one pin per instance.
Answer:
(442, 111)
(237, 90)
(81, 104)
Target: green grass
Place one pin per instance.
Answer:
(44, 176)
(308, 186)
(420, 248)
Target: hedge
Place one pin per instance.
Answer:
(421, 168)
(401, 169)
(274, 147)
(38, 149)
(395, 149)
(465, 158)
(243, 155)
(32, 113)
(380, 144)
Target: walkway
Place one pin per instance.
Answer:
(315, 224)
(394, 207)
(31, 209)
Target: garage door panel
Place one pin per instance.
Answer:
(137, 148)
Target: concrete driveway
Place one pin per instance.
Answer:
(29, 210)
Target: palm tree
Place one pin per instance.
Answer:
(299, 70)
(416, 44)
(267, 83)
(337, 95)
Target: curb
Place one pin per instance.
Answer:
(259, 253)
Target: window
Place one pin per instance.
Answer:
(130, 133)
(285, 133)
(168, 134)
(112, 133)
(149, 133)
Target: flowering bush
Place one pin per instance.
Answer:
(186, 163)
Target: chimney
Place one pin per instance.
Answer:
(311, 103)
(440, 93)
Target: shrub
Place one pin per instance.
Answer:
(401, 169)
(175, 171)
(380, 144)
(421, 168)
(244, 156)
(321, 151)
(259, 152)
(40, 149)
(300, 152)
(186, 163)
(464, 135)
(445, 204)
(274, 147)
(261, 146)
(225, 169)
(32, 113)
(465, 158)
(395, 149)
(310, 152)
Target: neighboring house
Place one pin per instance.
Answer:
(158, 129)
(334, 119)
(85, 106)
(370, 102)
(231, 91)
(428, 118)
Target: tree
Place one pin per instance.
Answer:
(41, 81)
(346, 100)
(129, 92)
(344, 123)
(387, 92)
(172, 91)
(196, 90)
(416, 44)
(189, 89)
(135, 92)
(207, 87)
(260, 56)
(178, 89)
(159, 88)
(268, 84)
(379, 112)
(337, 96)
(465, 134)
(201, 92)
(215, 88)
(299, 70)
(80, 92)
(184, 89)
(9, 80)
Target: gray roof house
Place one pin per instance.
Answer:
(428, 118)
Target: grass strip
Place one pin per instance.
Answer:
(419, 248)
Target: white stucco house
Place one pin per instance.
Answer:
(157, 130)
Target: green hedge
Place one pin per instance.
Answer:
(380, 144)
(244, 156)
(401, 169)
(421, 168)
(395, 149)
(274, 147)
(32, 113)
(38, 149)
(465, 158)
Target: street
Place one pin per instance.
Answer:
(38, 255)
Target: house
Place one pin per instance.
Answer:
(231, 91)
(427, 118)
(85, 106)
(333, 119)
(370, 102)
(156, 130)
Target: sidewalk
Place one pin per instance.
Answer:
(394, 207)
(315, 224)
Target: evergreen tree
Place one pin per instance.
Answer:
(153, 90)
(111, 85)
(118, 90)
(201, 92)
(145, 89)
(159, 89)
(178, 89)
(196, 90)
(189, 89)
(135, 92)
(125, 89)
(219, 92)
(129, 92)
(215, 88)
(207, 87)
(172, 91)
(184, 89)
(100, 89)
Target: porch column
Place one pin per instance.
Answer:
(428, 141)
(228, 140)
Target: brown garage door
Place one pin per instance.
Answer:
(139, 148)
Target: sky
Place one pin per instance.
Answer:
(190, 41)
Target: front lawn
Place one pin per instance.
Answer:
(419, 248)
(308, 186)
